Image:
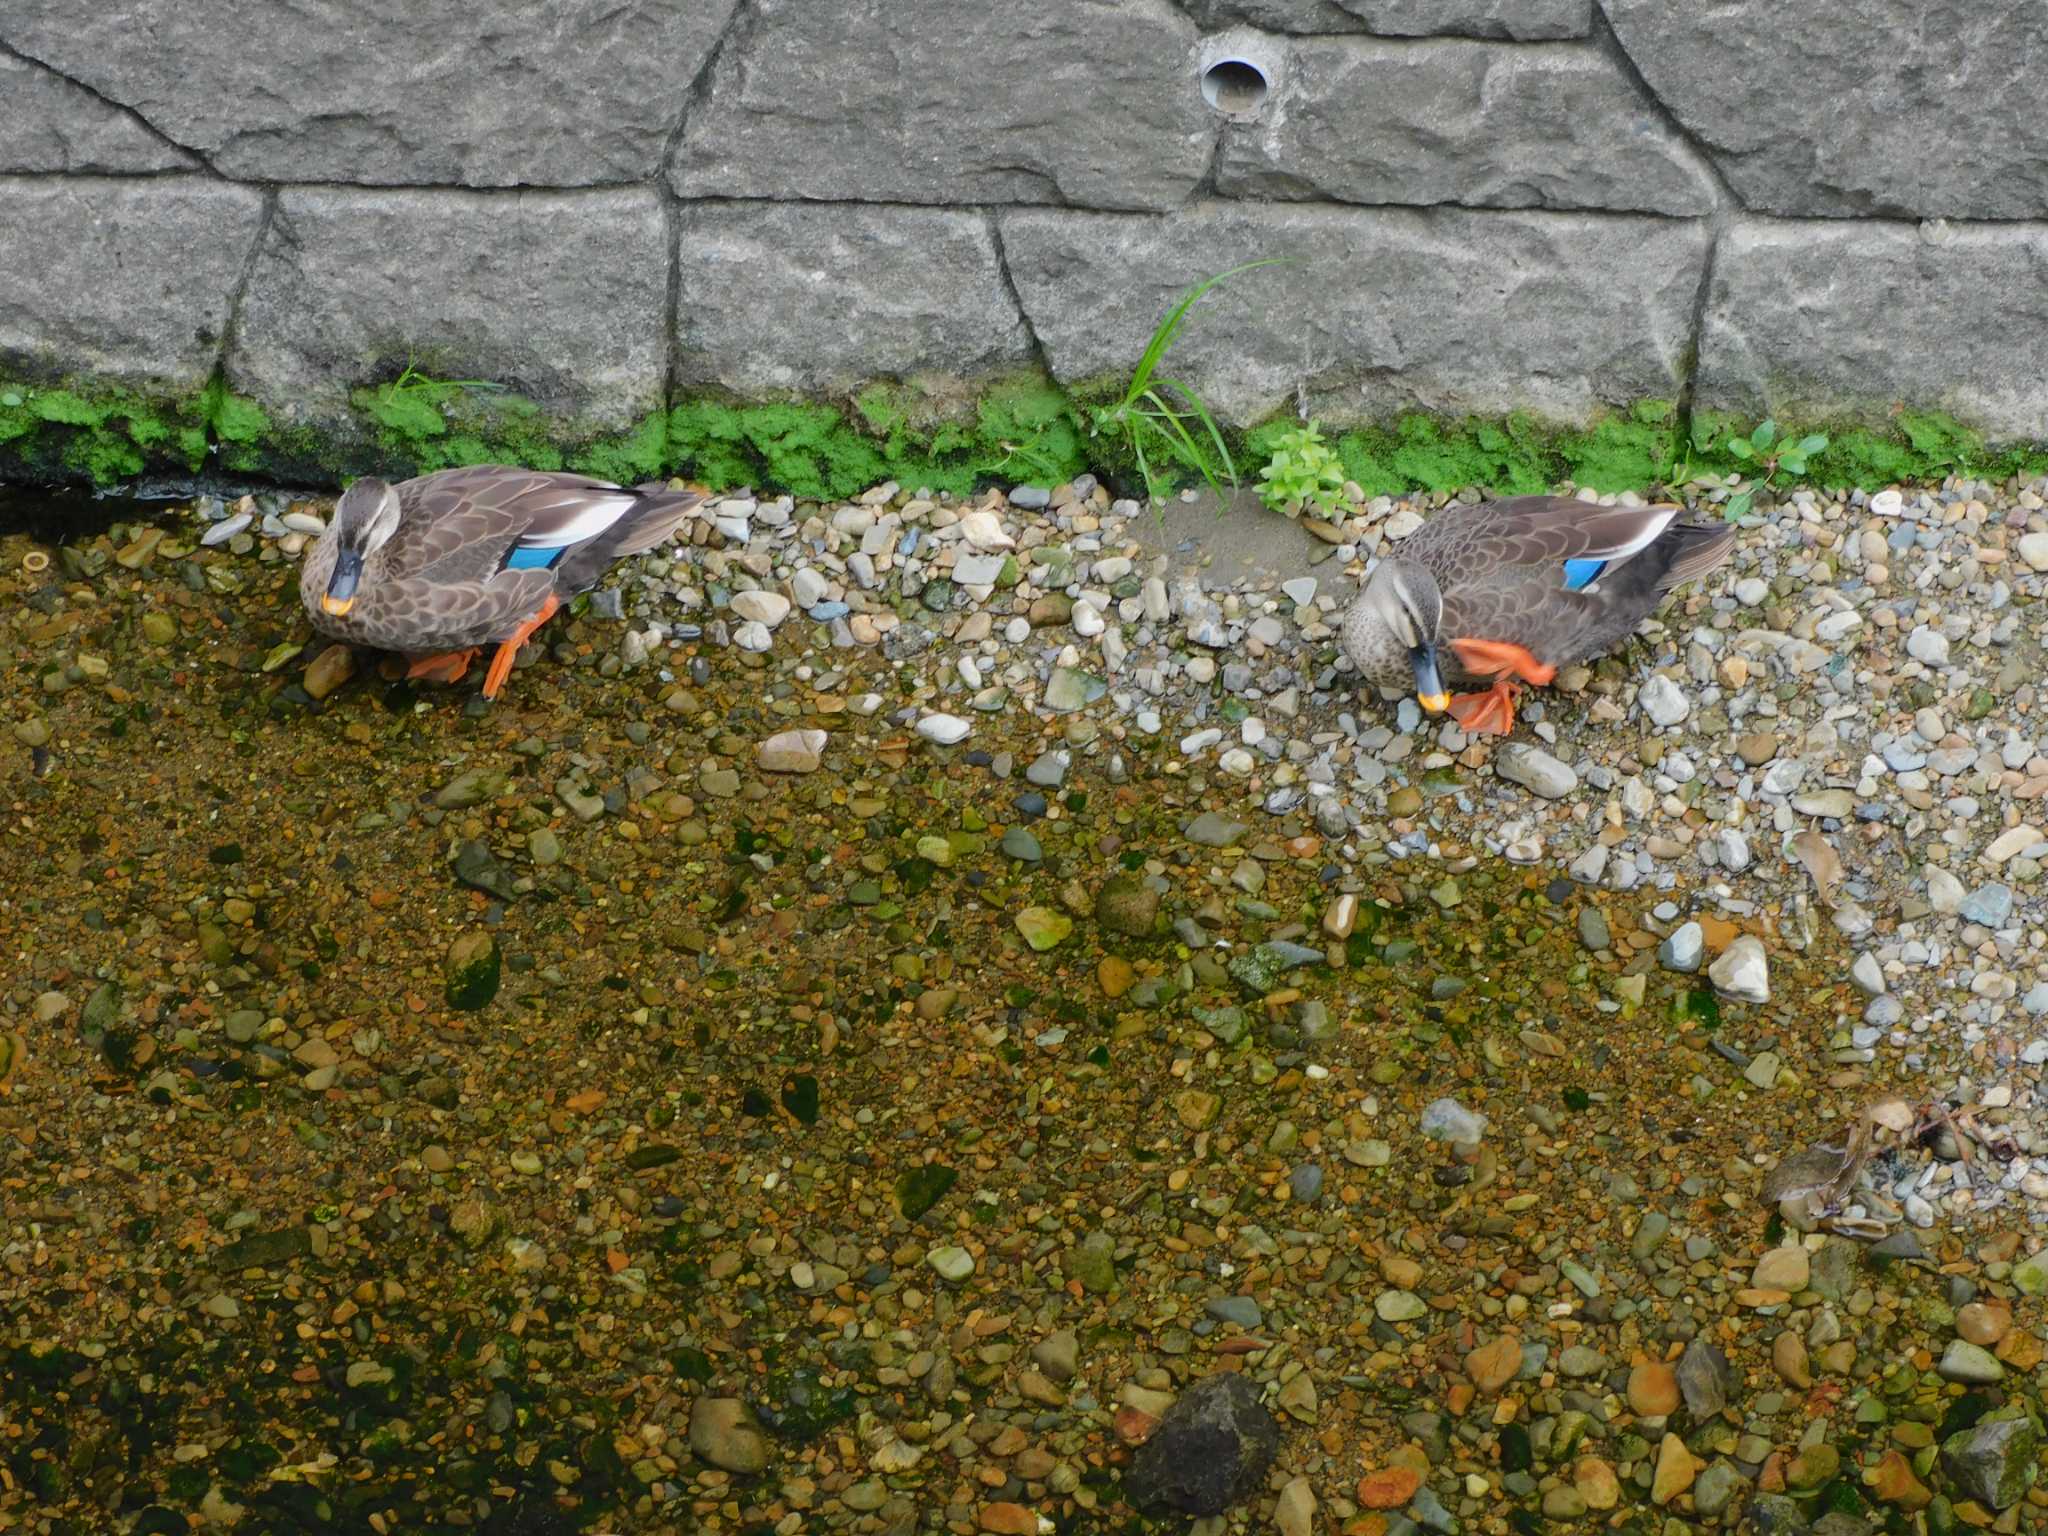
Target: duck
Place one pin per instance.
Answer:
(438, 567)
(1496, 596)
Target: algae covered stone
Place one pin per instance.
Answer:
(1044, 928)
(473, 966)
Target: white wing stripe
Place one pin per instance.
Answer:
(587, 524)
(1652, 528)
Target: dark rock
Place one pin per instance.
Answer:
(1128, 904)
(1773, 1514)
(1211, 1451)
(1703, 1377)
(1989, 1461)
(260, 1250)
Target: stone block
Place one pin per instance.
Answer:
(1090, 102)
(1856, 107)
(1517, 20)
(49, 124)
(127, 280)
(1822, 318)
(393, 92)
(1377, 311)
(559, 296)
(849, 292)
(1483, 124)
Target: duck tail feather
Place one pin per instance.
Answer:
(653, 521)
(1695, 550)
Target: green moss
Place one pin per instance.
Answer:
(1017, 430)
(1919, 446)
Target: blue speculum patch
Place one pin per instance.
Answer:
(527, 558)
(1581, 574)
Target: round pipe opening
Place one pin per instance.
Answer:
(1235, 86)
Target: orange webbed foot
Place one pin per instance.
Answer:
(1491, 713)
(1502, 658)
(448, 667)
(508, 652)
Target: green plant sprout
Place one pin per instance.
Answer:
(1142, 416)
(1756, 449)
(1304, 474)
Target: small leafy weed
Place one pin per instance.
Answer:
(1763, 449)
(1304, 475)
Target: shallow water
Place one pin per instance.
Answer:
(306, 1222)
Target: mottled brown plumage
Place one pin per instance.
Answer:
(1515, 589)
(430, 568)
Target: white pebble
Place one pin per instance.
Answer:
(943, 729)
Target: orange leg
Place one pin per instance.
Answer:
(1493, 712)
(501, 664)
(448, 667)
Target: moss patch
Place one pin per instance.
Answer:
(1017, 430)
(1918, 446)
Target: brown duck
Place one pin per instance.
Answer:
(1505, 592)
(438, 567)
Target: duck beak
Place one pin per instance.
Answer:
(340, 595)
(1429, 683)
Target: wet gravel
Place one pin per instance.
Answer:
(847, 1046)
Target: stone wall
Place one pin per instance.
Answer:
(241, 224)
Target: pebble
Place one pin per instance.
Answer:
(1535, 770)
(1742, 971)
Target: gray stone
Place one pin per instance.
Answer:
(1378, 310)
(1967, 1362)
(1211, 1451)
(1902, 107)
(1989, 1461)
(1684, 949)
(1717, 1487)
(560, 296)
(1483, 124)
(926, 101)
(128, 280)
(1448, 1120)
(47, 123)
(1523, 20)
(858, 293)
(1810, 319)
(1703, 1377)
(1990, 905)
(1535, 770)
(500, 93)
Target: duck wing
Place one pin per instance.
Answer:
(469, 525)
(1577, 541)
(1567, 579)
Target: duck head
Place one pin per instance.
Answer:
(1402, 597)
(364, 520)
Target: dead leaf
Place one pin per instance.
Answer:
(1818, 855)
